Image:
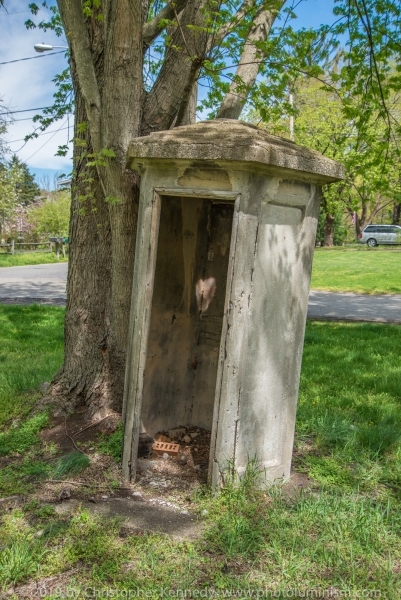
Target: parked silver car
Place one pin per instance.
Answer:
(373, 235)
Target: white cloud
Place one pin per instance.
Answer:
(28, 84)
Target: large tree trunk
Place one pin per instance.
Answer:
(110, 100)
(360, 220)
(396, 214)
(95, 324)
(83, 376)
(103, 225)
(328, 231)
(107, 41)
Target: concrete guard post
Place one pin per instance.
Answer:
(243, 385)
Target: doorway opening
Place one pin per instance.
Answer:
(189, 296)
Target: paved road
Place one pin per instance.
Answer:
(45, 284)
(354, 307)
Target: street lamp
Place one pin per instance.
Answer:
(47, 47)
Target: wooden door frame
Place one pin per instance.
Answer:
(141, 309)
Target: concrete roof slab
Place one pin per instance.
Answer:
(227, 140)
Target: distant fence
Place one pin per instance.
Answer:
(22, 247)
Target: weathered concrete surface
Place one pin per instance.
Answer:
(273, 187)
(141, 516)
(228, 141)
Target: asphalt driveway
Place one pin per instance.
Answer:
(46, 284)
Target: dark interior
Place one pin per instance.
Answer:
(187, 313)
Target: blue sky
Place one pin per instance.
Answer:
(28, 84)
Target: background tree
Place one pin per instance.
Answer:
(17, 190)
(27, 189)
(4, 120)
(52, 216)
(372, 162)
(135, 65)
(396, 213)
(10, 177)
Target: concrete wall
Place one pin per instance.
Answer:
(266, 320)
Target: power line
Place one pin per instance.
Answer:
(26, 119)
(21, 12)
(32, 57)
(14, 112)
(18, 120)
(36, 136)
(46, 142)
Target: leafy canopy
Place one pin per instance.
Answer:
(363, 36)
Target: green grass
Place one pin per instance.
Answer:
(29, 258)
(360, 270)
(22, 476)
(19, 561)
(112, 444)
(70, 464)
(344, 534)
(23, 437)
(349, 412)
(31, 351)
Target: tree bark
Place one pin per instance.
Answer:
(112, 108)
(179, 71)
(328, 240)
(396, 214)
(84, 375)
(249, 63)
(360, 221)
(104, 211)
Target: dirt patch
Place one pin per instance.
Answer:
(182, 472)
(62, 429)
(297, 483)
(102, 476)
(58, 585)
(164, 482)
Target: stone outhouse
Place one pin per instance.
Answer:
(225, 239)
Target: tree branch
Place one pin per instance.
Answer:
(152, 28)
(179, 72)
(187, 112)
(249, 63)
(123, 79)
(221, 33)
(78, 40)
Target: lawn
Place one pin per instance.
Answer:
(341, 535)
(29, 258)
(360, 270)
(31, 351)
